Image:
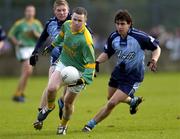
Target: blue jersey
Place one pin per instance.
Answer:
(130, 52)
(2, 34)
(51, 30)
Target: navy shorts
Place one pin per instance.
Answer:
(123, 82)
(55, 55)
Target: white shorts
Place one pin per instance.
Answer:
(75, 89)
(24, 53)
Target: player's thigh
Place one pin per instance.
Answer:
(55, 81)
(118, 96)
(51, 70)
(111, 91)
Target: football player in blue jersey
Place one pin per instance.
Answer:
(51, 30)
(129, 45)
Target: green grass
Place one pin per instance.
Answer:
(156, 118)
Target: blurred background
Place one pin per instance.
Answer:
(159, 18)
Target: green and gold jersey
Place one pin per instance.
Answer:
(78, 50)
(22, 31)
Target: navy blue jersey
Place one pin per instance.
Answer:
(51, 30)
(130, 53)
(2, 34)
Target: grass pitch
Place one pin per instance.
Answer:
(158, 116)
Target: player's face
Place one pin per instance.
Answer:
(122, 27)
(78, 20)
(61, 12)
(30, 12)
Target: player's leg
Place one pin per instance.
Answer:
(53, 86)
(70, 95)
(118, 96)
(43, 101)
(129, 87)
(43, 104)
(39, 124)
(132, 100)
(54, 58)
(26, 71)
(67, 112)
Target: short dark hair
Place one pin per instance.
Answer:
(123, 15)
(80, 10)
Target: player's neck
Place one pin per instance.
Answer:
(77, 30)
(123, 35)
(29, 19)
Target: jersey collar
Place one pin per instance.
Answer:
(76, 32)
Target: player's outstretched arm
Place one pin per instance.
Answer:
(152, 64)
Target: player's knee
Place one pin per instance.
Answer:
(51, 89)
(26, 74)
(29, 72)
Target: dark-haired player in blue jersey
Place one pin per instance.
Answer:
(129, 45)
(51, 30)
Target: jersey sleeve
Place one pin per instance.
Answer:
(42, 39)
(59, 38)
(89, 58)
(39, 28)
(146, 41)
(108, 49)
(150, 43)
(13, 30)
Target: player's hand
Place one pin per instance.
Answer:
(96, 68)
(80, 81)
(19, 44)
(152, 65)
(48, 49)
(33, 59)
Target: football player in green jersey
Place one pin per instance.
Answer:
(23, 35)
(77, 51)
